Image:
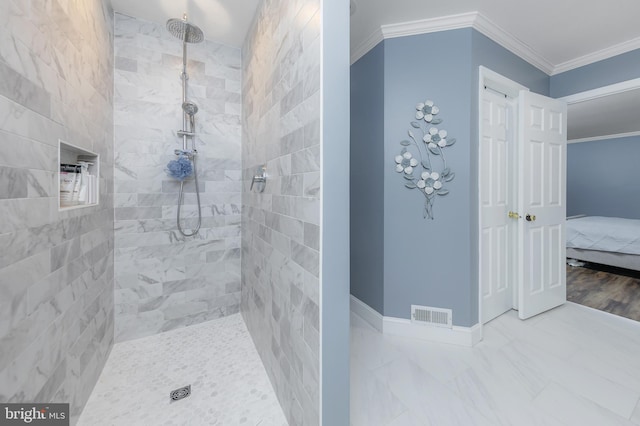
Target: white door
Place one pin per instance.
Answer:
(496, 199)
(541, 202)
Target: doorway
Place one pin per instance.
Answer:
(604, 278)
(522, 200)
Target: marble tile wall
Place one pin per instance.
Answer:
(280, 227)
(164, 280)
(56, 267)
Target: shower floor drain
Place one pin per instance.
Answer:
(180, 393)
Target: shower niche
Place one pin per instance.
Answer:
(78, 177)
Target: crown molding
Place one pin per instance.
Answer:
(364, 47)
(432, 25)
(473, 20)
(605, 137)
(606, 53)
(487, 27)
(599, 92)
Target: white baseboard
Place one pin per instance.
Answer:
(462, 336)
(367, 313)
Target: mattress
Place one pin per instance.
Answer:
(620, 260)
(610, 234)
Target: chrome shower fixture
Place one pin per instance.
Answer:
(185, 31)
(188, 33)
(188, 153)
(190, 108)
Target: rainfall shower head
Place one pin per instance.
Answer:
(185, 31)
(190, 108)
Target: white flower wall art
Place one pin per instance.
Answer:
(427, 170)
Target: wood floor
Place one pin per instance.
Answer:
(608, 289)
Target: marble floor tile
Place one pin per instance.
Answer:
(569, 366)
(571, 409)
(371, 400)
(228, 382)
(510, 325)
(619, 371)
(369, 347)
(608, 329)
(407, 418)
(426, 397)
(580, 381)
(635, 417)
(469, 387)
(497, 401)
(507, 371)
(608, 346)
(442, 361)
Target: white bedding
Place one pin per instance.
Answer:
(611, 234)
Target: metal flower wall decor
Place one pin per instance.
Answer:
(428, 172)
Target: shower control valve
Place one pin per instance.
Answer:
(261, 178)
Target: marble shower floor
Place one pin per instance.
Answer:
(229, 384)
(571, 366)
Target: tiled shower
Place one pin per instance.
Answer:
(56, 281)
(76, 282)
(164, 280)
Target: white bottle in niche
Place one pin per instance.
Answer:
(76, 187)
(94, 189)
(83, 193)
(90, 190)
(67, 184)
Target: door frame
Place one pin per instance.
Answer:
(496, 82)
(601, 92)
(503, 84)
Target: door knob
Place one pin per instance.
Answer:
(530, 218)
(514, 215)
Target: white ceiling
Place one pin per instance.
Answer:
(555, 35)
(559, 31)
(223, 21)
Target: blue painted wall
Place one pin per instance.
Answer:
(588, 192)
(367, 178)
(603, 178)
(490, 54)
(427, 262)
(334, 302)
(424, 262)
(602, 73)
(435, 263)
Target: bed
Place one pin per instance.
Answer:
(610, 241)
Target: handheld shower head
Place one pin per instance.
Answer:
(189, 108)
